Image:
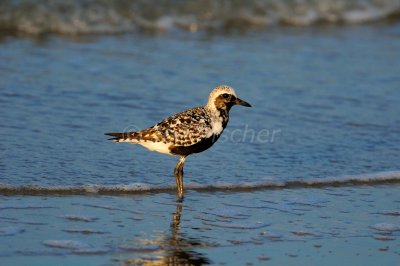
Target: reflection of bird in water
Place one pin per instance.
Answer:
(181, 252)
(178, 249)
(191, 131)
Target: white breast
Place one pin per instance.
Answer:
(156, 146)
(216, 127)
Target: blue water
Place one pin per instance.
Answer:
(330, 95)
(326, 100)
(353, 225)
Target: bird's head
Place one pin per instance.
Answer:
(223, 98)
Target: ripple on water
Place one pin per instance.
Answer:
(112, 208)
(90, 251)
(227, 213)
(247, 225)
(390, 212)
(303, 233)
(386, 227)
(263, 258)
(314, 202)
(21, 207)
(80, 218)
(271, 236)
(66, 244)
(10, 230)
(384, 237)
(278, 206)
(76, 247)
(85, 231)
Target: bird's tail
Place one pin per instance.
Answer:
(121, 137)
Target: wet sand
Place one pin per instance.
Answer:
(350, 225)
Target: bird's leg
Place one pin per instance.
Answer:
(178, 172)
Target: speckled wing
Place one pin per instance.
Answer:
(183, 129)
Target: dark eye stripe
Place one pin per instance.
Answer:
(225, 95)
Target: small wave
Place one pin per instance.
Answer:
(382, 178)
(119, 16)
(67, 244)
(386, 227)
(80, 218)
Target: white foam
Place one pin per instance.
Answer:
(110, 17)
(380, 178)
(366, 15)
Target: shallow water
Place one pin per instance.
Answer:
(327, 96)
(353, 225)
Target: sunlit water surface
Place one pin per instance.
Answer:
(325, 107)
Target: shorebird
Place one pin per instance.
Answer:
(191, 131)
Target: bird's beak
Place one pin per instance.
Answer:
(241, 102)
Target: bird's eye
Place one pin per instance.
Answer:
(225, 95)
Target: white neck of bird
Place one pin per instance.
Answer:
(215, 113)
